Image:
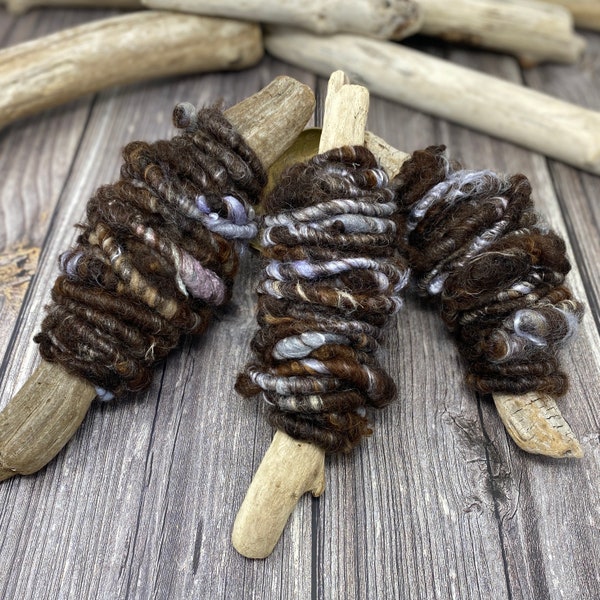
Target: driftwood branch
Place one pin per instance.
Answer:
(48, 409)
(499, 108)
(291, 468)
(20, 6)
(48, 71)
(533, 31)
(586, 13)
(395, 19)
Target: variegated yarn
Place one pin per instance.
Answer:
(332, 281)
(474, 241)
(157, 254)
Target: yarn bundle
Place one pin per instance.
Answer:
(157, 255)
(330, 285)
(474, 242)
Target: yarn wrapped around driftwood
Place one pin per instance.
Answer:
(157, 255)
(329, 288)
(474, 242)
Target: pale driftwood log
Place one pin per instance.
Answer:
(18, 7)
(536, 425)
(586, 13)
(48, 71)
(291, 468)
(532, 31)
(48, 409)
(508, 111)
(391, 19)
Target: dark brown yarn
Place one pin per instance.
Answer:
(325, 218)
(473, 240)
(136, 281)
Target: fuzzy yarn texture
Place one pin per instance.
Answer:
(475, 244)
(331, 283)
(157, 254)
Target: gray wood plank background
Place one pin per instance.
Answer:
(437, 504)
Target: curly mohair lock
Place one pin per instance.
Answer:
(475, 243)
(157, 254)
(332, 282)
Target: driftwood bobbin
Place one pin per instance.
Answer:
(51, 405)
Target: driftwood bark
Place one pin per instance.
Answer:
(586, 13)
(48, 71)
(291, 468)
(520, 115)
(49, 408)
(20, 6)
(395, 19)
(533, 31)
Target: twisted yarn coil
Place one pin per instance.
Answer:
(157, 254)
(330, 285)
(474, 242)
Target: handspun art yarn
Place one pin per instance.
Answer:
(157, 253)
(476, 245)
(330, 285)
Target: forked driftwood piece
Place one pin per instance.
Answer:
(392, 19)
(20, 6)
(505, 110)
(50, 70)
(533, 31)
(48, 409)
(586, 13)
(291, 468)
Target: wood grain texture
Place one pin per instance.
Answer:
(438, 504)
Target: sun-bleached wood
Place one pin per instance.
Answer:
(537, 426)
(68, 64)
(45, 413)
(291, 468)
(392, 19)
(508, 111)
(586, 13)
(532, 31)
(20, 6)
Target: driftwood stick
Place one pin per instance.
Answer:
(536, 425)
(291, 468)
(48, 409)
(533, 31)
(20, 6)
(586, 13)
(48, 71)
(506, 110)
(394, 19)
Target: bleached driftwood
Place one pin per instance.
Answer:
(533, 31)
(499, 108)
(393, 19)
(48, 409)
(586, 13)
(48, 71)
(291, 468)
(20, 6)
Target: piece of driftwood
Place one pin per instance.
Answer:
(48, 71)
(49, 408)
(18, 7)
(391, 19)
(291, 468)
(499, 108)
(532, 31)
(586, 13)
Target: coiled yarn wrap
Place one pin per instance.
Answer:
(157, 253)
(474, 242)
(332, 282)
